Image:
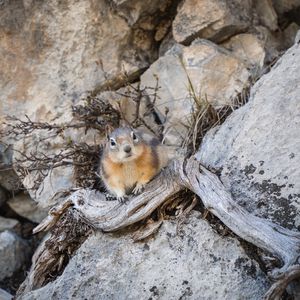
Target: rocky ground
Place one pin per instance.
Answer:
(239, 56)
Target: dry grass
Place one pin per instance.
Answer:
(205, 116)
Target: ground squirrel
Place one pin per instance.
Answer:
(130, 159)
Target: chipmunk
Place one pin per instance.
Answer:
(130, 160)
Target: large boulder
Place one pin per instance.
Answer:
(62, 51)
(14, 252)
(198, 264)
(202, 71)
(257, 149)
(211, 19)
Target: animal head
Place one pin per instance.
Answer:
(124, 144)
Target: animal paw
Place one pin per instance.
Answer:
(138, 188)
(122, 199)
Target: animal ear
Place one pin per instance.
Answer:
(108, 130)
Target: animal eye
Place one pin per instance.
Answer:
(134, 137)
(112, 142)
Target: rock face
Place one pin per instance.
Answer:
(214, 20)
(214, 73)
(188, 266)
(48, 43)
(258, 148)
(13, 253)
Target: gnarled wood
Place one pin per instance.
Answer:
(278, 288)
(281, 242)
(111, 215)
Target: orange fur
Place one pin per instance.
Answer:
(121, 178)
(144, 166)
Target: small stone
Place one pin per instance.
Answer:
(7, 224)
(215, 20)
(14, 252)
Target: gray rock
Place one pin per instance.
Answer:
(167, 43)
(5, 295)
(14, 252)
(211, 19)
(7, 224)
(8, 177)
(24, 206)
(257, 149)
(289, 34)
(191, 265)
(58, 180)
(215, 74)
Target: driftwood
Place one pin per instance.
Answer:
(108, 216)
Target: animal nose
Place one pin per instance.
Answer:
(127, 149)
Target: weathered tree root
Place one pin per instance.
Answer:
(278, 288)
(111, 216)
